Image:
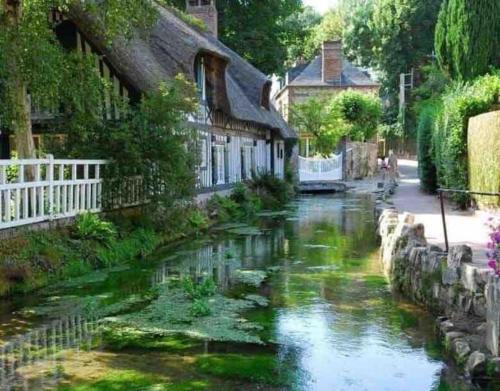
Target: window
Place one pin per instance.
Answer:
(247, 161)
(219, 165)
(203, 115)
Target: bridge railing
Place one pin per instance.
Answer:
(318, 169)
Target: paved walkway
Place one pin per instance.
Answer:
(463, 227)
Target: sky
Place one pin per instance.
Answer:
(321, 5)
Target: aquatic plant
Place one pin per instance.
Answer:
(171, 313)
(90, 226)
(205, 289)
(250, 277)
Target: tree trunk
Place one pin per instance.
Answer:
(17, 91)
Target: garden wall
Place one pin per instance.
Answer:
(466, 297)
(361, 160)
(484, 157)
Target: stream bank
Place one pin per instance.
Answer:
(466, 297)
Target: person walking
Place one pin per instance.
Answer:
(393, 167)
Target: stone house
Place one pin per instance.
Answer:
(240, 132)
(327, 74)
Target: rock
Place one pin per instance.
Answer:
(446, 326)
(460, 349)
(458, 255)
(475, 363)
(468, 277)
(408, 218)
(450, 336)
(492, 295)
(481, 329)
(451, 275)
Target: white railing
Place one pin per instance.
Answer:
(37, 190)
(317, 169)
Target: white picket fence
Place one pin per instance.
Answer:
(37, 190)
(317, 169)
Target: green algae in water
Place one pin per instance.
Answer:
(261, 301)
(250, 277)
(258, 368)
(130, 380)
(119, 338)
(171, 313)
(245, 231)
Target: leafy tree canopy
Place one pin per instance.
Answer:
(27, 36)
(330, 28)
(468, 37)
(328, 119)
(391, 36)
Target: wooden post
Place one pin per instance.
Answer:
(50, 178)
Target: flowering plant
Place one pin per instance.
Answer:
(493, 252)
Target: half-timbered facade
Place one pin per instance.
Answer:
(240, 132)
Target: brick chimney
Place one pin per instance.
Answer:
(206, 11)
(332, 62)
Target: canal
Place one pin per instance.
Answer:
(294, 301)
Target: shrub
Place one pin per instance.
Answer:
(139, 243)
(273, 191)
(91, 227)
(460, 103)
(360, 112)
(224, 208)
(198, 220)
(425, 127)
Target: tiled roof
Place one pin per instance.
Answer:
(352, 76)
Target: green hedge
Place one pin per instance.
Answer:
(484, 157)
(460, 103)
(428, 113)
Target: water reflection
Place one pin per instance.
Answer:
(333, 319)
(44, 344)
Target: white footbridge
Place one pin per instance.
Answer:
(321, 174)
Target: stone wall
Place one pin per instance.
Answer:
(466, 297)
(361, 160)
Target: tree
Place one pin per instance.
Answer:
(298, 30)
(467, 37)
(330, 28)
(392, 36)
(27, 36)
(316, 118)
(328, 119)
(257, 30)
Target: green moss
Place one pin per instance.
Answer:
(135, 381)
(375, 282)
(261, 368)
(129, 338)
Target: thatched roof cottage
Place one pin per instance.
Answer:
(241, 132)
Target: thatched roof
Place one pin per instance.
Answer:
(170, 48)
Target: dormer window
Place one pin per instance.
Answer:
(266, 96)
(200, 74)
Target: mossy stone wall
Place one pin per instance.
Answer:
(484, 157)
